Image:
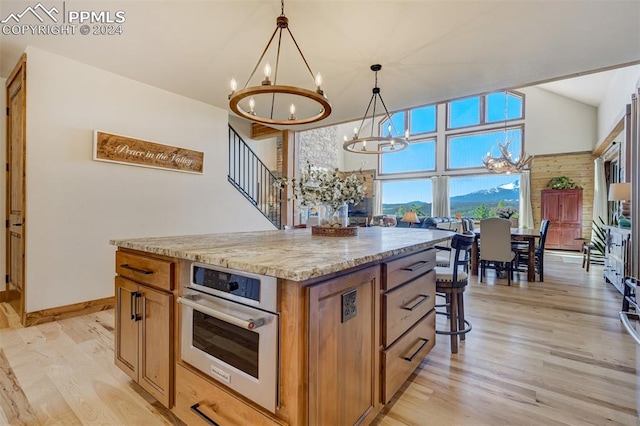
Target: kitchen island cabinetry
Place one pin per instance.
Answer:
(408, 317)
(330, 325)
(343, 349)
(144, 322)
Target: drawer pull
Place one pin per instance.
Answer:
(138, 270)
(195, 408)
(423, 298)
(416, 266)
(133, 305)
(415, 354)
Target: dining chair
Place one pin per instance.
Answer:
(451, 282)
(523, 253)
(495, 250)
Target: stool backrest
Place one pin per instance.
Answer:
(461, 246)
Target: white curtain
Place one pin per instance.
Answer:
(526, 212)
(441, 206)
(600, 207)
(377, 198)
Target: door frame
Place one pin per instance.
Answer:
(19, 71)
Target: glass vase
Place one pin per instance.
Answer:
(334, 216)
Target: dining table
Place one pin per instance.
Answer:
(527, 235)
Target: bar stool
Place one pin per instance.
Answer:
(451, 282)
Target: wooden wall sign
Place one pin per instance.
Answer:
(138, 152)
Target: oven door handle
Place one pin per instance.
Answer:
(250, 324)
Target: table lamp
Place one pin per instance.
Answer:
(621, 192)
(410, 217)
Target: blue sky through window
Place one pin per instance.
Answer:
(419, 156)
(469, 149)
(404, 191)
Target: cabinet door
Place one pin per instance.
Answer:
(344, 349)
(571, 211)
(156, 337)
(550, 210)
(126, 336)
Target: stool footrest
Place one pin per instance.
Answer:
(466, 329)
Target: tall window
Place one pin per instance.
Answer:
(419, 156)
(404, 195)
(480, 197)
(466, 150)
(474, 127)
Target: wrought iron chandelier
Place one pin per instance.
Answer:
(505, 163)
(267, 109)
(384, 144)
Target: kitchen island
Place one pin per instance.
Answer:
(355, 318)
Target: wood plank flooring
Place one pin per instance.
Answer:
(551, 353)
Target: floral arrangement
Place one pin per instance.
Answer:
(318, 185)
(505, 212)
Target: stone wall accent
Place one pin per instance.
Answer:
(319, 147)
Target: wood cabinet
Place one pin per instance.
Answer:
(407, 316)
(200, 401)
(144, 322)
(343, 349)
(616, 256)
(563, 209)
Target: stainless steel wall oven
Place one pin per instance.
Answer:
(230, 330)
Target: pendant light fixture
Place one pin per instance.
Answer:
(505, 164)
(276, 104)
(377, 144)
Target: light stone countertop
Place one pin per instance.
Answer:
(292, 254)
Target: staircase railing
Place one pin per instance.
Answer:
(253, 179)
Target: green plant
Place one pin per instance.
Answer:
(481, 212)
(562, 182)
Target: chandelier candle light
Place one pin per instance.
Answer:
(243, 101)
(384, 144)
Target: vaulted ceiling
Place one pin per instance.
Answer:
(430, 50)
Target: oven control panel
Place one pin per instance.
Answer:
(226, 282)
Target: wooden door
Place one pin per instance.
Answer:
(126, 336)
(15, 220)
(550, 210)
(156, 336)
(344, 349)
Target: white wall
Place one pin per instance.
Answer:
(613, 106)
(75, 205)
(3, 181)
(555, 124)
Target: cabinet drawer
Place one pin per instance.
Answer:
(195, 393)
(402, 358)
(405, 269)
(406, 304)
(146, 270)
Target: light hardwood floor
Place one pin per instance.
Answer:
(551, 353)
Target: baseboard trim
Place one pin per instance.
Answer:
(68, 311)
